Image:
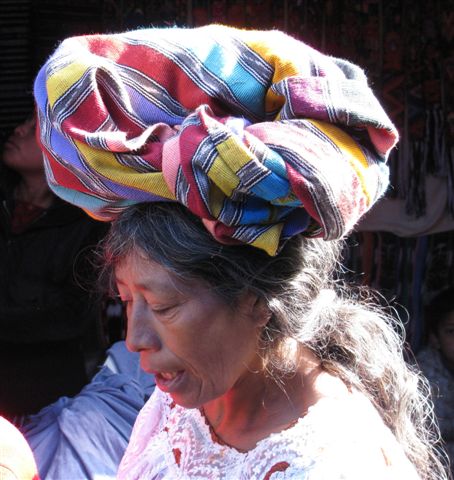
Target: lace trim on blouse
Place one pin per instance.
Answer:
(337, 439)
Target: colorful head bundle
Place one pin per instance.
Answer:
(255, 132)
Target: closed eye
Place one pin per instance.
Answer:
(161, 309)
(164, 311)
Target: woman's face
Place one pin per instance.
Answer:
(21, 151)
(197, 347)
(445, 339)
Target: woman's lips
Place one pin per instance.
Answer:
(168, 381)
(10, 144)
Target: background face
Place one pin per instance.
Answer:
(21, 151)
(445, 339)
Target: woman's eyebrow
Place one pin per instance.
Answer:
(150, 285)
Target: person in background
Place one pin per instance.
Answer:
(436, 361)
(231, 164)
(45, 306)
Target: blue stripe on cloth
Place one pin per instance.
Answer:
(95, 204)
(40, 90)
(256, 65)
(240, 82)
(275, 163)
(256, 210)
(64, 148)
(150, 112)
(128, 192)
(207, 64)
(271, 187)
(297, 222)
(83, 200)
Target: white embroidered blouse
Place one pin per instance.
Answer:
(337, 439)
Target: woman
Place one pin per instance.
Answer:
(263, 363)
(267, 368)
(45, 312)
(436, 361)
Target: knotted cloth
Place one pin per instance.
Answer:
(255, 132)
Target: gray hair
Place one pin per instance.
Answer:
(351, 335)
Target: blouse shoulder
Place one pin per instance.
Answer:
(337, 439)
(352, 442)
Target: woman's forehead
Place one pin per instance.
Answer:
(136, 268)
(448, 319)
(142, 273)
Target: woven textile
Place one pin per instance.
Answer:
(255, 132)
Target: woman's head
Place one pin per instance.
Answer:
(205, 315)
(286, 285)
(440, 319)
(21, 151)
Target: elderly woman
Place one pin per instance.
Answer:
(230, 163)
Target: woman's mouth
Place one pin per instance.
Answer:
(168, 381)
(10, 144)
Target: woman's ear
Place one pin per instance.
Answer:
(255, 308)
(262, 313)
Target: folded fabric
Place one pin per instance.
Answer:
(255, 132)
(85, 437)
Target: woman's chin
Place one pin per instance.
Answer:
(191, 400)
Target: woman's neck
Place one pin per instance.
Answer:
(260, 405)
(34, 190)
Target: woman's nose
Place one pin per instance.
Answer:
(23, 128)
(20, 130)
(140, 334)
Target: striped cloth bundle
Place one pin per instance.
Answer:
(255, 132)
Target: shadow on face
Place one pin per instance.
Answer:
(21, 151)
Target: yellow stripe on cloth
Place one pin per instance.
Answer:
(216, 200)
(107, 165)
(224, 173)
(63, 79)
(351, 152)
(269, 239)
(279, 54)
(93, 215)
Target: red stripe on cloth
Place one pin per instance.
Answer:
(221, 232)
(152, 154)
(93, 111)
(90, 115)
(299, 188)
(168, 74)
(65, 177)
(110, 48)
